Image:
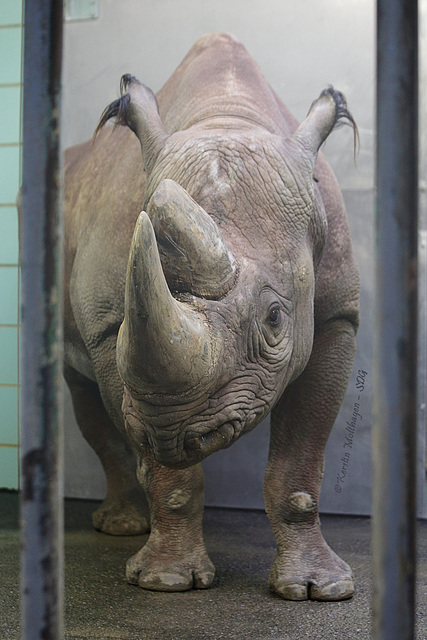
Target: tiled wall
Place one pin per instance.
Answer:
(10, 154)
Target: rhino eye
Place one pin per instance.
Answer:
(274, 316)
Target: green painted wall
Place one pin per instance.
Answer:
(10, 162)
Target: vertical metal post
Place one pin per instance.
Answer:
(41, 362)
(395, 357)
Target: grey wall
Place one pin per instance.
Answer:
(301, 47)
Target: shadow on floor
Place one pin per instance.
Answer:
(99, 604)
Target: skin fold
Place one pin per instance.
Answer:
(210, 280)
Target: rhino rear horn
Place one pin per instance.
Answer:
(326, 113)
(137, 108)
(195, 256)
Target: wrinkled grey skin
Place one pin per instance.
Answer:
(246, 303)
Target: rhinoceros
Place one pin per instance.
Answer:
(210, 280)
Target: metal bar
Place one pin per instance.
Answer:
(395, 351)
(41, 361)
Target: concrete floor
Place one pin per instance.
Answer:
(100, 604)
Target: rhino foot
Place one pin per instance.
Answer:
(312, 574)
(154, 571)
(122, 515)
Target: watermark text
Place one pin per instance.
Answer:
(350, 428)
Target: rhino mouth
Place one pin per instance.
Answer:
(222, 437)
(196, 442)
(192, 439)
(195, 448)
(178, 450)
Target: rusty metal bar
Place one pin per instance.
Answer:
(41, 361)
(395, 351)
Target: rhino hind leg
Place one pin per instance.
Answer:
(174, 557)
(124, 510)
(305, 566)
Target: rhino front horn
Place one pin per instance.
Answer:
(195, 256)
(326, 113)
(164, 346)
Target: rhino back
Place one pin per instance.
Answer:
(218, 79)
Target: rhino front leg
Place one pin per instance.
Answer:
(305, 566)
(174, 557)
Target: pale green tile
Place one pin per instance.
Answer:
(8, 415)
(10, 54)
(8, 355)
(10, 108)
(9, 469)
(9, 240)
(8, 295)
(9, 171)
(10, 12)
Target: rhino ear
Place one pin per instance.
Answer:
(137, 108)
(326, 113)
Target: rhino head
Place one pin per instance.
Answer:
(219, 302)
